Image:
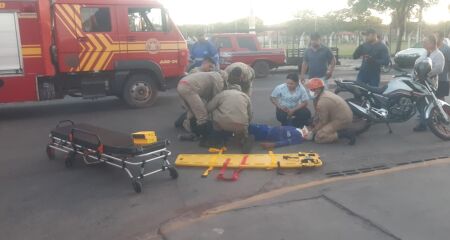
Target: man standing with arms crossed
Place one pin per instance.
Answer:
(318, 61)
(374, 54)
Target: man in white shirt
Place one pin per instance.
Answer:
(438, 63)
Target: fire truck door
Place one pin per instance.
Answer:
(149, 36)
(98, 37)
(66, 37)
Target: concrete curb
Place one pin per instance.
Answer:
(181, 222)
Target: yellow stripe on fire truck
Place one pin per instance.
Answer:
(99, 48)
(31, 51)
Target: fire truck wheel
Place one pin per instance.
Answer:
(140, 91)
(262, 69)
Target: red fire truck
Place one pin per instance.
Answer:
(88, 48)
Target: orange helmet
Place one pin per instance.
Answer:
(315, 83)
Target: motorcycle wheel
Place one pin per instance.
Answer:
(437, 125)
(360, 124)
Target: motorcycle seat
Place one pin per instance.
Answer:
(378, 90)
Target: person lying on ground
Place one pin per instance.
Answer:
(273, 137)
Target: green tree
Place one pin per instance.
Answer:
(401, 9)
(236, 26)
(346, 20)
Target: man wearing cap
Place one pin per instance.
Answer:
(201, 49)
(332, 115)
(374, 54)
(196, 90)
(318, 61)
(248, 75)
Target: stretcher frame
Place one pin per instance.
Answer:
(93, 156)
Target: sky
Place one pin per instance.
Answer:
(212, 11)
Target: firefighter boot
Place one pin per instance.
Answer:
(213, 140)
(191, 137)
(179, 122)
(247, 144)
(202, 130)
(347, 134)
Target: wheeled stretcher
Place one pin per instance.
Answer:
(98, 145)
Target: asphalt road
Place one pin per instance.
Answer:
(396, 203)
(41, 199)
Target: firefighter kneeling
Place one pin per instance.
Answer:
(332, 115)
(231, 113)
(247, 76)
(196, 90)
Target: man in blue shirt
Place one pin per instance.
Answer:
(374, 54)
(318, 61)
(201, 49)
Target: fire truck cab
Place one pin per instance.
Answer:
(88, 48)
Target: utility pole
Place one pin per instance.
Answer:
(419, 24)
(405, 33)
(315, 23)
(447, 30)
(251, 19)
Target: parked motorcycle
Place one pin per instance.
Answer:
(399, 101)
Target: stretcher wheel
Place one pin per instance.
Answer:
(68, 161)
(173, 173)
(50, 152)
(137, 186)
